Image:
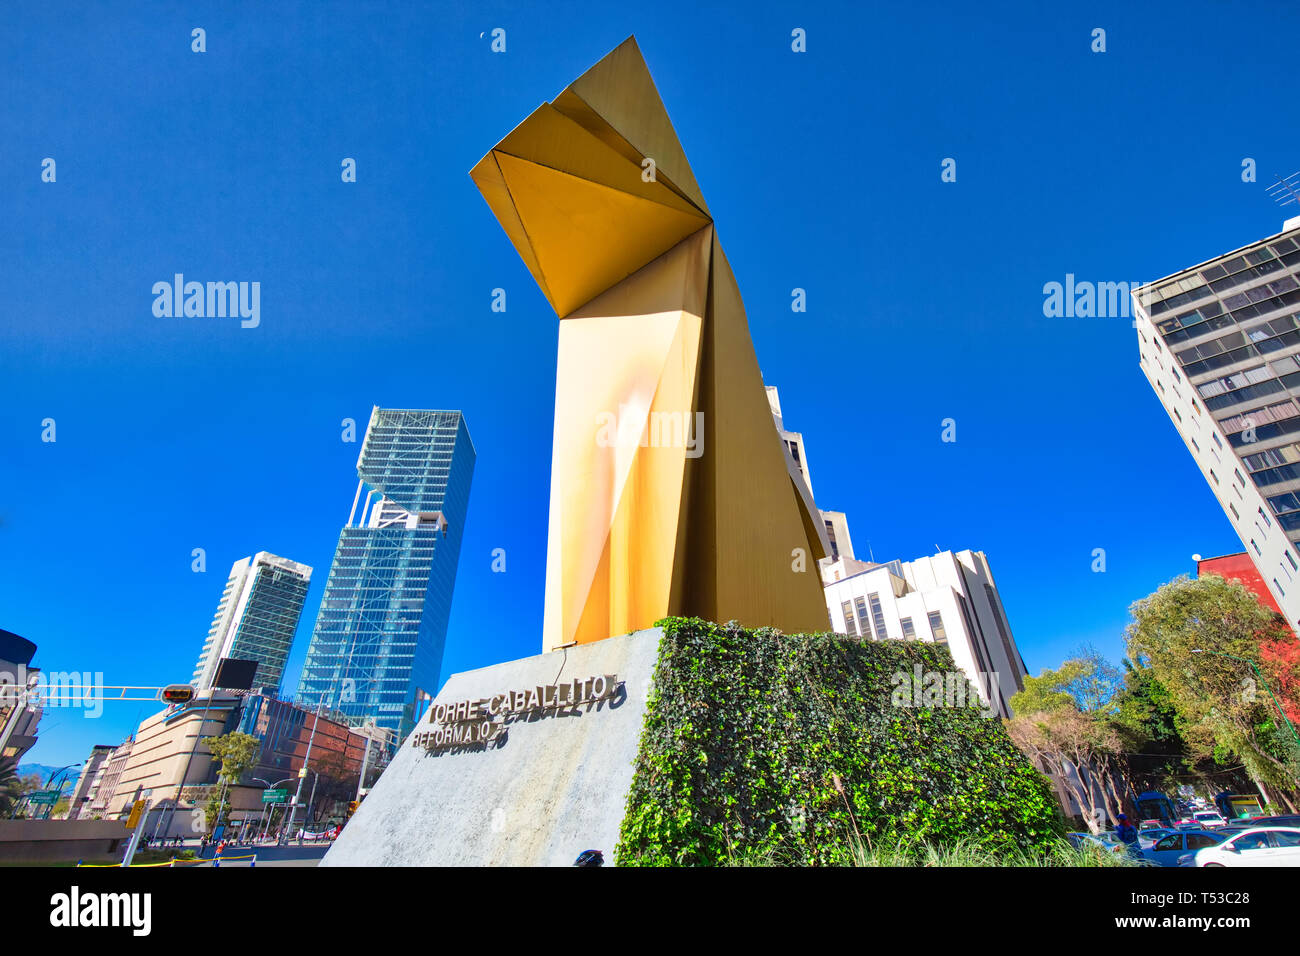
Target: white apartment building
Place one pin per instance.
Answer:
(91, 775)
(1220, 345)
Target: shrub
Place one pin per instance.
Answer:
(772, 748)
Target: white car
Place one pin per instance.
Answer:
(1208, 819)
(1251, 846)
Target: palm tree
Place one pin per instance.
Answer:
(10, 786)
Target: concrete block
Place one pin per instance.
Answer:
(555, 786)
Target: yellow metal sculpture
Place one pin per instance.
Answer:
(671, 490)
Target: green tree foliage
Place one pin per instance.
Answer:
(1180, 632)
(10, 786)
(795, 749)
(238, 753)
(336, 783)
(1065, 721)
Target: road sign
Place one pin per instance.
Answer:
(44, 797)
(137, 808)
(302, 772)
(274, 796)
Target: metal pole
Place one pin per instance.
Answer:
(180, 787)
(302, 776)
(311, 801)
(139, 828)
(365, 759)
(49, 807)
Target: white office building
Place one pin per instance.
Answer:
(1220, 345)
(947, 598)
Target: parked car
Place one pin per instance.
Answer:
(1209, 819)
(1176, 844)
(1250, 846)
(1148, 838)
(1107, 840)
(1278, 820)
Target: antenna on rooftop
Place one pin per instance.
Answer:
(1286, 191)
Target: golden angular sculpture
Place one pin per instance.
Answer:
(671, 491)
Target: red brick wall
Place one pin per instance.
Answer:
(1239, 567)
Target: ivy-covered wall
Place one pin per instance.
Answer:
(757, 744)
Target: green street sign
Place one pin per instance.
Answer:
(50, 797)
(274, 796)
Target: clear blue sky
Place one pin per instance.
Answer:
(823, 172)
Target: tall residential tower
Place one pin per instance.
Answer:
(1220, 345)
(377, 647)
(256, 618)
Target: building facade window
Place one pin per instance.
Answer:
(864, 626)
(909, 631)
(850, 626)
(878, 616)
(936, 626)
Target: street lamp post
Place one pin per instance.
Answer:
(302, 774)
(198, 735)
(266, 822)
(49, 807)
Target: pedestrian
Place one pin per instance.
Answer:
(1127, 833)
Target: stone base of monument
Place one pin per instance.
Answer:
(526, 763)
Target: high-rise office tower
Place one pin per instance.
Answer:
(377, 647)
(1220, 344)
(256, 618)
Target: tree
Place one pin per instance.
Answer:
(335, 783)
(10, 786)
(238, 753)
(1077, 750)
(1064, 723)
(1280, 661)
(1095, 683)
(1182, 632)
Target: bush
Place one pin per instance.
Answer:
(789, 749)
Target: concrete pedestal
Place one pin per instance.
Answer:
(554, 784)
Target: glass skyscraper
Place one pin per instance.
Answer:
(377, 647)
(256, 618)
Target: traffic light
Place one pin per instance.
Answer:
(352, 807)
(177, 694)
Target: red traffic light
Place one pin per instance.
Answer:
(177, 693)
